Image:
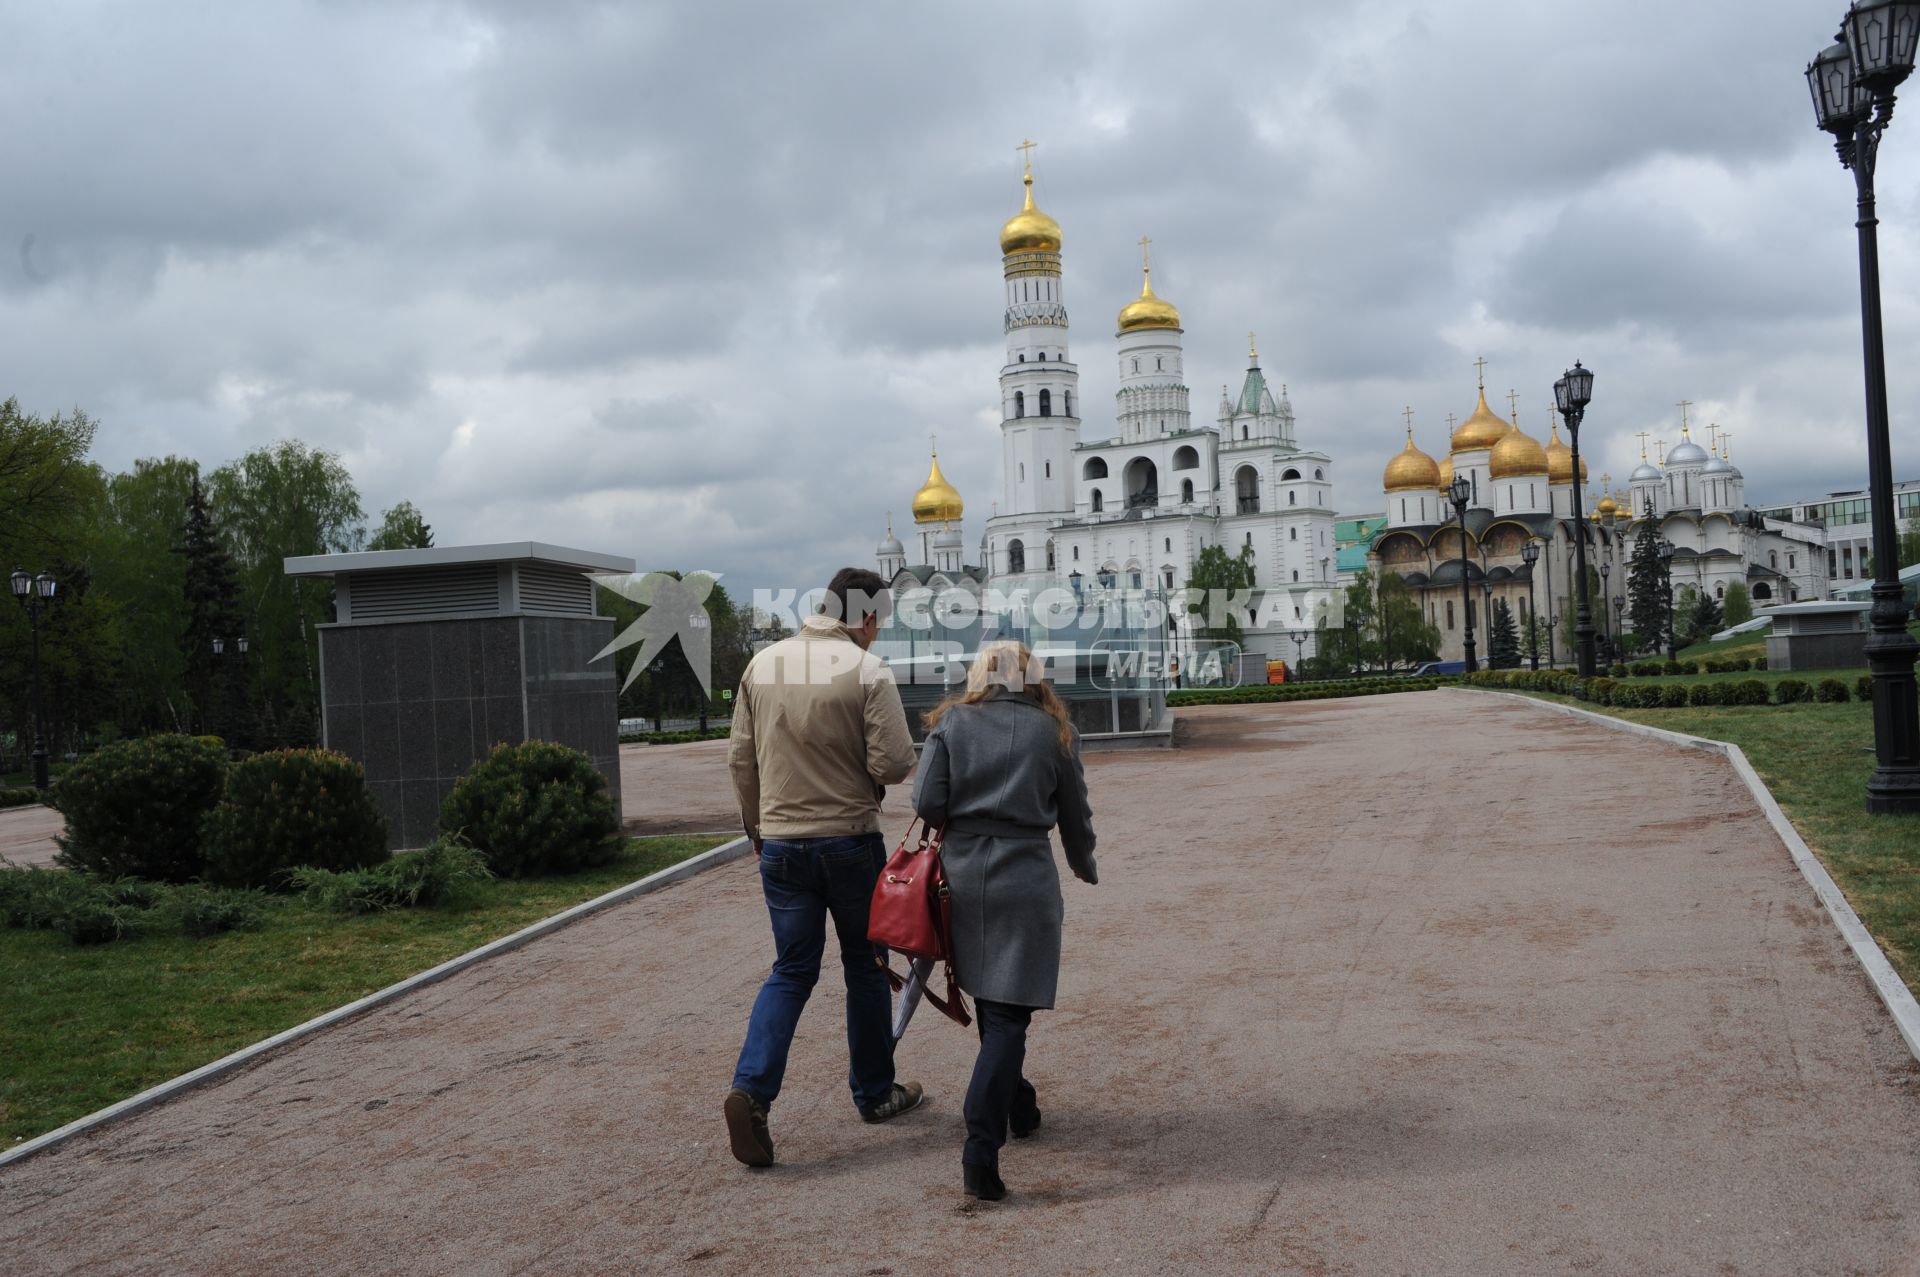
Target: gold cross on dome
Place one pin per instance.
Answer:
(1684, 405)
(1450, 420)
(1408, 414)
(1643, 445)
(1146, 253)
(1513, 404)
(1480, 370)
(1026, 153)
(1253, 351)
(1726, 446)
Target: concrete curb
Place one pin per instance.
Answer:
(723, 854)
(1886, 981)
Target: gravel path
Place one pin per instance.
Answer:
(1338, 1006)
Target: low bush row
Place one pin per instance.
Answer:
(438, 873)
(1603, 690)
(95, 911)
(172, 809)
(23, 796)
(1262, 692)
(1703, 665)
(675, 738)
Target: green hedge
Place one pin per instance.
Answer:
(1602, 690)
(24, 796)
(675, 738)
(1256, 693)
(89, 911)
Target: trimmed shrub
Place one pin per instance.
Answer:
(1760, 662)
(1708, 694)
(435, 874)
(1863, 688)
(1599, 690)
(211, 911)
(22, 796)
(134, 808)
(536, 807)
(1748, 691)
(1744, 664)
(1791, 691)
(289, 808)
(1618, 671)
(1673, 697)
(1830, 691)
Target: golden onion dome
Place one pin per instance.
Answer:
(1560, 460)
(1411, 470)
(1482, 430)
(1607, 506)
(1446, 473)
(1517, 453)
(937, 501)
(1147, 310)
(1029, 230)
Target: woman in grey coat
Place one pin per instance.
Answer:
(1000, 769)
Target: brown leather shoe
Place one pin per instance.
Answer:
(904, 1098)
(747, 1132)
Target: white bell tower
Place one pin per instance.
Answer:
(1039, 385)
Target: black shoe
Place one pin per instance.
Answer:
(904, 1098)
(1024, 1122)
(982, 1182)
(747, 1131)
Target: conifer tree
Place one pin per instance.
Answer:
(1503, 643)
(1646, 590)
(213, 612)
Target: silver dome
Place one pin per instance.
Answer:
(1644, 472)
(1686, 453)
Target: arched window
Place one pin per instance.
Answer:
(1136, 365)
(1246, 490)
(1290, 473)
(1046, 403)
(1143, 483)
(1049, 473)
(1023, 472)
(1099, 503)
(1761, 590)
(1293, 534)
(1317, 473)
(1720, 591)
(1296, 574)
(1169, 544)
(1449, 613)
(1773, 559)
(1066, 403)
(1096, 468)
(1186, 491)
(1249, 538)
(1156, 364)
(1243, 432)
(1186, 457)
(1016, 556)
(1023, 359)
(1049, 556)
(1292, 497)
(1019, 403)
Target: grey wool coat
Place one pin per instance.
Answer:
(994, 775)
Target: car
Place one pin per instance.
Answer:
(1428, 668)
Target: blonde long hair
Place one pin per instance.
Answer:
(1013, 666)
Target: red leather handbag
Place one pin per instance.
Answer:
(912, 911)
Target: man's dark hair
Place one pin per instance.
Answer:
(853, 595)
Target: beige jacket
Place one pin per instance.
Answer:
(818, 732)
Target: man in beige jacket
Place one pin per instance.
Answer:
(818, 733)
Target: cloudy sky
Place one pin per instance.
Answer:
(695, 282)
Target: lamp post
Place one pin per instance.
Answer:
(30, 590)
(1572, 393)
(1530, 555)
(1852, 84)
(1666, 589)
(1460, 492)
(1299, 638)
(658, 668)
(1606, 641)
(1619, 602)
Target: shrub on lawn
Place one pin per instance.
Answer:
(210, 911)
(92, 919)
(1830, 691)
(20, 796)
(1599, 689)
(289, 808)
(1792, 691)
(1618, 671)
(433, 875)
(536, 807)
(1759, 662)
(1708, 693)
(1863, 688)
(1748, 691)
(134, 808)
(1744, 664)
(1673, 696)
(31, 898)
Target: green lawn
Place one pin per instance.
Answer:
(81, 1028)
(1816, 760)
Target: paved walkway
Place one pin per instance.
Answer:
(26, 834)
(1342, 1003)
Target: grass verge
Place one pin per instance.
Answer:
(1816, 760)
(84, 1027)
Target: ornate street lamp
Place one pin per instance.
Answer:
(1619, 602)
(1852, 83)
(1666, 588)
(1606, 642)
(32, 591)
(1460, 493)
(1572, 393)
(1530, 555)
(1299, 638)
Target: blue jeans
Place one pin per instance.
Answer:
(806, 880)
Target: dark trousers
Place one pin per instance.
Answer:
(998, 1089)
(808, 881)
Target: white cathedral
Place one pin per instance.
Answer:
(1133, 510)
